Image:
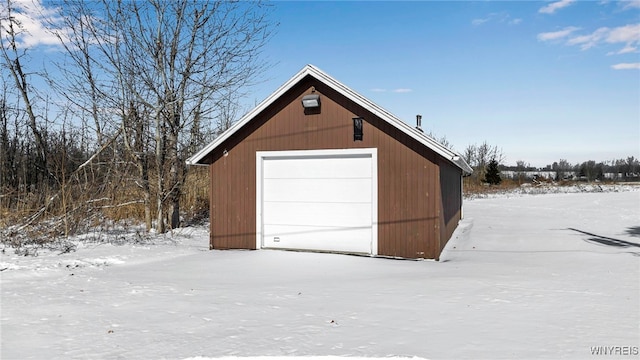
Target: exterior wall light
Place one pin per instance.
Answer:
(311, 101)
(357, 129)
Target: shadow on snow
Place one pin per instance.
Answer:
(607, 241)
(634, 231)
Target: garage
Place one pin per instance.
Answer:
(319, 200)
(318, 167)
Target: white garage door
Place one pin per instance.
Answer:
(318, 200)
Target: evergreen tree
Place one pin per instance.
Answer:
(493, 173)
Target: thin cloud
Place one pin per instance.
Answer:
(32, 24)
(623, 4)
(555, 35)
(628, 49)
(501, 17)
(631, 4)
(626, 66)
(378, 90)
(555, 6)
(629, 35)
(588, 41)
(477, 22)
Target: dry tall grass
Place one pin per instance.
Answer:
(472, 186)
(74, 208)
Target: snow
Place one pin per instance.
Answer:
(544, 188)
(525, 276)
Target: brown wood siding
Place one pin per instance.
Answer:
(451, 200)
(409, 206)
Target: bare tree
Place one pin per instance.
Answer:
(12, 57)
(470, 154)
(172, 63)
(135, 127)
(633, 166)
(227, 111)
(562, 169)
(478, 157)
(8, 152)
(521, 170)
(441, 139)
(82, 77)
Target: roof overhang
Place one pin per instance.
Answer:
(311, 70)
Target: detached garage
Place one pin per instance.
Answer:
(318, 167)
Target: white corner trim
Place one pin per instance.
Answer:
(259, 186)
(374, 202)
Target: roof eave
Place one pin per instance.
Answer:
(440, 149)
(200, 155)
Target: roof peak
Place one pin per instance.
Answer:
(352, 95)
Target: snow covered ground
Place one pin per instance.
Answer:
(545, 188)
(525, 277)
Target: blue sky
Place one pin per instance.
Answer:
(542, 80)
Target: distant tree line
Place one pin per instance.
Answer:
(617, 170)
(487, 162)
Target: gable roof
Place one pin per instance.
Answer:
(383, 114)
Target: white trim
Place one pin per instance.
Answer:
(461, 197)
(193, 160)
(373, 152)
(374, 202)
(427, 141)
(259, 185)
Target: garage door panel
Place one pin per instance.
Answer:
(311, 201)
(318, 167)
(318, 190)
(355, 240)
(317, 214)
